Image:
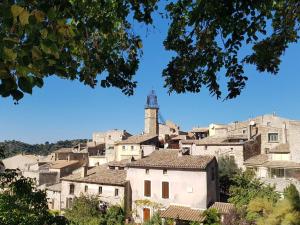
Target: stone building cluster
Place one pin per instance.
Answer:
(165, 169)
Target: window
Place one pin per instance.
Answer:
(109, 137)
(86, 188)
(165, 189)
(116, 192)
(244, 131)
(72, 188)
(277, 172)
(273, 137)
(165, 171)
(205, 147)
(132, 147)
(147, 188)
(100, 190)
(123, 147)
(69, 202)
(213, 173)
(147, 171)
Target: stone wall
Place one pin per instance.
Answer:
(108, 192)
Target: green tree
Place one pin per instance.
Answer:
(72, 39)
(212, 217)
(227, 169)
(208, 36)
(84, 211)
(115, 215)
(22, 204)
(291, 193)
(246, 188)
(264, 211)
(93, 41)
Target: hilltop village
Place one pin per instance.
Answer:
(165, 168)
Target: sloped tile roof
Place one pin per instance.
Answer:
(257, 160)
(100, 175)
(62, 163)
(216, 141)
(182, 213)
(54, 187)
(137, 139)
(171, 159)
(223, 207)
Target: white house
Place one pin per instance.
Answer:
(108, 184)
(166, 177)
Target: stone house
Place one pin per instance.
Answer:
(109, 185)
(238, 147)
(20, 161)
(54, 196)
(108, 138)
(135, 146)
(166, 177)
(279, 161)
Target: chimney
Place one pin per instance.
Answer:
(83, 171)
(284, 135)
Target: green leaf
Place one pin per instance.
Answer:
(45, 48)
(44, 33)
(140, 44)
(39, 15)
(10, 54)
(38, 82)
(26, 83)
(16, 10)
(17, 95)
(23, 17)
(36, 53)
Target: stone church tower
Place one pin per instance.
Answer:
(151, 114)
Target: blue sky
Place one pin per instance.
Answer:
(65, 109)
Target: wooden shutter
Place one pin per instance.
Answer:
(146, 214)
(165, 189)
(147, 188)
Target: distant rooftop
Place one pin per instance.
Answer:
(100, 175)
(183, 213)
(137, 139)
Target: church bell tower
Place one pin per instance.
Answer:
(151, 114)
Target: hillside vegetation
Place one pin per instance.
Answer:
(13, 147)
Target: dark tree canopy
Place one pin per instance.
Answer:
(93, 41)
(208, 36)
(72, 39)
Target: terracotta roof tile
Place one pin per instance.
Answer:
(54, 187)
(137, 139)
(182, 213)
(216, 141)
(100, 175)
(223, 207)
(62, 163)
(171, 159)
(257, 160)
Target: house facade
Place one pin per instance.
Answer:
(166, 177)
(109, 185)
(237, 147)
(135, 146)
